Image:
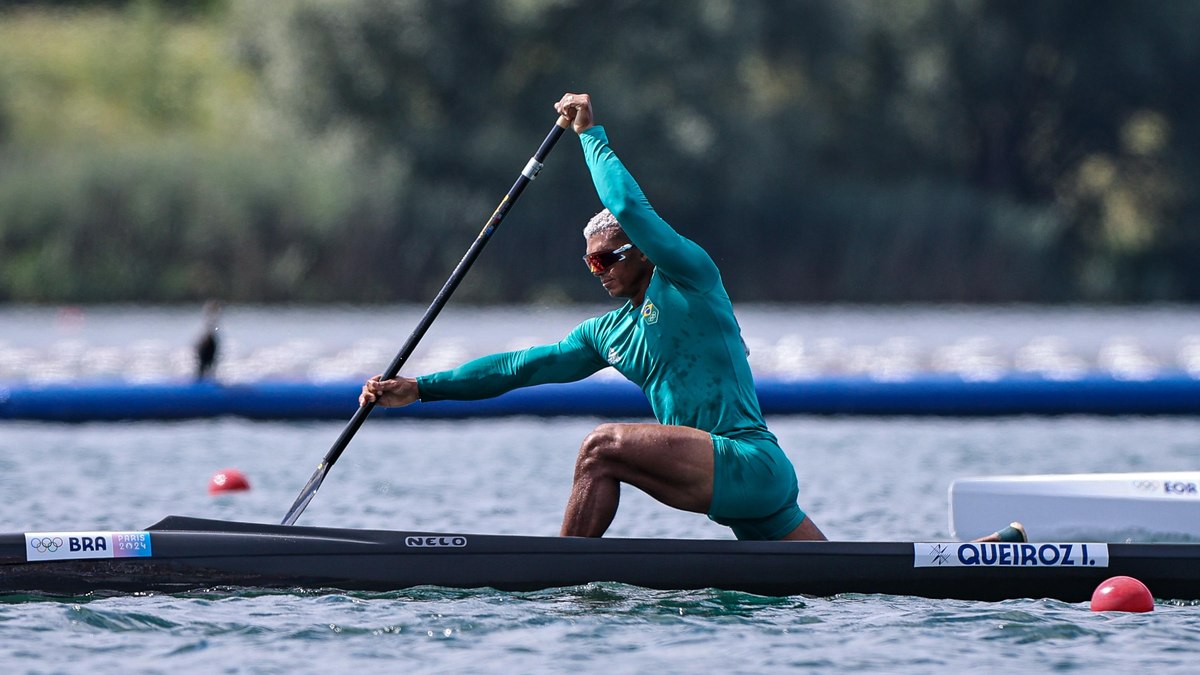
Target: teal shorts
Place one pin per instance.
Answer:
(754, 488)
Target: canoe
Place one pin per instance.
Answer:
(180, 554)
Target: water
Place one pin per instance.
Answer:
(861, 479)
(49, 344)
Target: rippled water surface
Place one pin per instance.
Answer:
(861, 479)
(147, 344)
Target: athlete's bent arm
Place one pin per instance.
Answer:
(675, 255)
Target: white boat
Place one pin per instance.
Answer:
(1114, 507)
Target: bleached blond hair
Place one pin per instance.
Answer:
(601, 223)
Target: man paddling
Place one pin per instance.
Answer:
(677, 338)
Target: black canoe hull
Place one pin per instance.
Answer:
(196, 554)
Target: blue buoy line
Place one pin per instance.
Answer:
(930, 394)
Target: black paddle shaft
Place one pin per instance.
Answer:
(527, 174)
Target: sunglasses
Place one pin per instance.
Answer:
(602, 260)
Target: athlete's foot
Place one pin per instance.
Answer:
(1013, 534)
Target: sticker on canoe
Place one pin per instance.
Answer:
(944, 554)
(435, 541)
(85, 545)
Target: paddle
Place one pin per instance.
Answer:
(527, 174)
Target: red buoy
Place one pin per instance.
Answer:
(227, 480)
(1122, 594)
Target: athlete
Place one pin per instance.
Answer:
(678, 339)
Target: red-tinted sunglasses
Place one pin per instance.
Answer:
(602, 260)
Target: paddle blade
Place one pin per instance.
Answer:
(306, 495)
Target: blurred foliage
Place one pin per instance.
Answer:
(822, 150)
(175, 7)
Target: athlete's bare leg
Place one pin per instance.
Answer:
(670, 463)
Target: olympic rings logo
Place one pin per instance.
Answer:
(46, 544)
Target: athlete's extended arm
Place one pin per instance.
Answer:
(488, 376)
(493, 375)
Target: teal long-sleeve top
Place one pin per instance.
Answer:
(682, 345)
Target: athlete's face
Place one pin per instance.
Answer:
(622, 269)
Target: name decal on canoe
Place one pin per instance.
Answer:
(989, 554)
(1168, 487)
(435, 541)
(86, 545)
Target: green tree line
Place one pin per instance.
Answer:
(821, 150)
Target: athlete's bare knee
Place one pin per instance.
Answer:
(596, 451)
